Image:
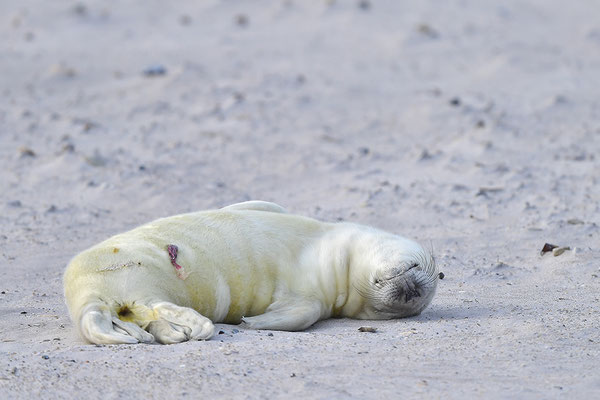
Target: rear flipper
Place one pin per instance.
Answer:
(99, 326)
(178, 324)
(257, 205)
(291, 314)
(165, 322)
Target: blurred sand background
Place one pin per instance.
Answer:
(471, 126)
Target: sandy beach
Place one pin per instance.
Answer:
(471, 126)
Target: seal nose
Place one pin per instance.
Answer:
(411, 293)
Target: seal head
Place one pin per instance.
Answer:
(401, 283)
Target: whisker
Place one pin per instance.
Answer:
(363, 290)
(367, 292)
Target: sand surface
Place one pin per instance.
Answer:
(471, 126)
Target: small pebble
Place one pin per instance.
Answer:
(425, 155)
(86, 124)
(80, 9)
(235, 331)
(427, 31)
(23, 312)
(241, 20)
(364, 5)
(45, 357)
(221, 332)
(96, 160)
(185, 20)
(26, 152)
(155, 70)
(559, 250)
(547, 247)
(484, 191)
(576, 250)
(270, 334)
(68, 148)
(455, 102)
(441, 275)
(367, 329)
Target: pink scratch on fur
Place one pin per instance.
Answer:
(172, 249)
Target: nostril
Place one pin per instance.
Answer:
(410, 294)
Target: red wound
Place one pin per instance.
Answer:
(172, 249)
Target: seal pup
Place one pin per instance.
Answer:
(250, 263)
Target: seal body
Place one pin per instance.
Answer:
(250, 263)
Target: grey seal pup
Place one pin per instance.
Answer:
(250, 263)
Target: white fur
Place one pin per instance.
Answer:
(250, 263)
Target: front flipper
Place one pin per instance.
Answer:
(291, 314)
(256, 205)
